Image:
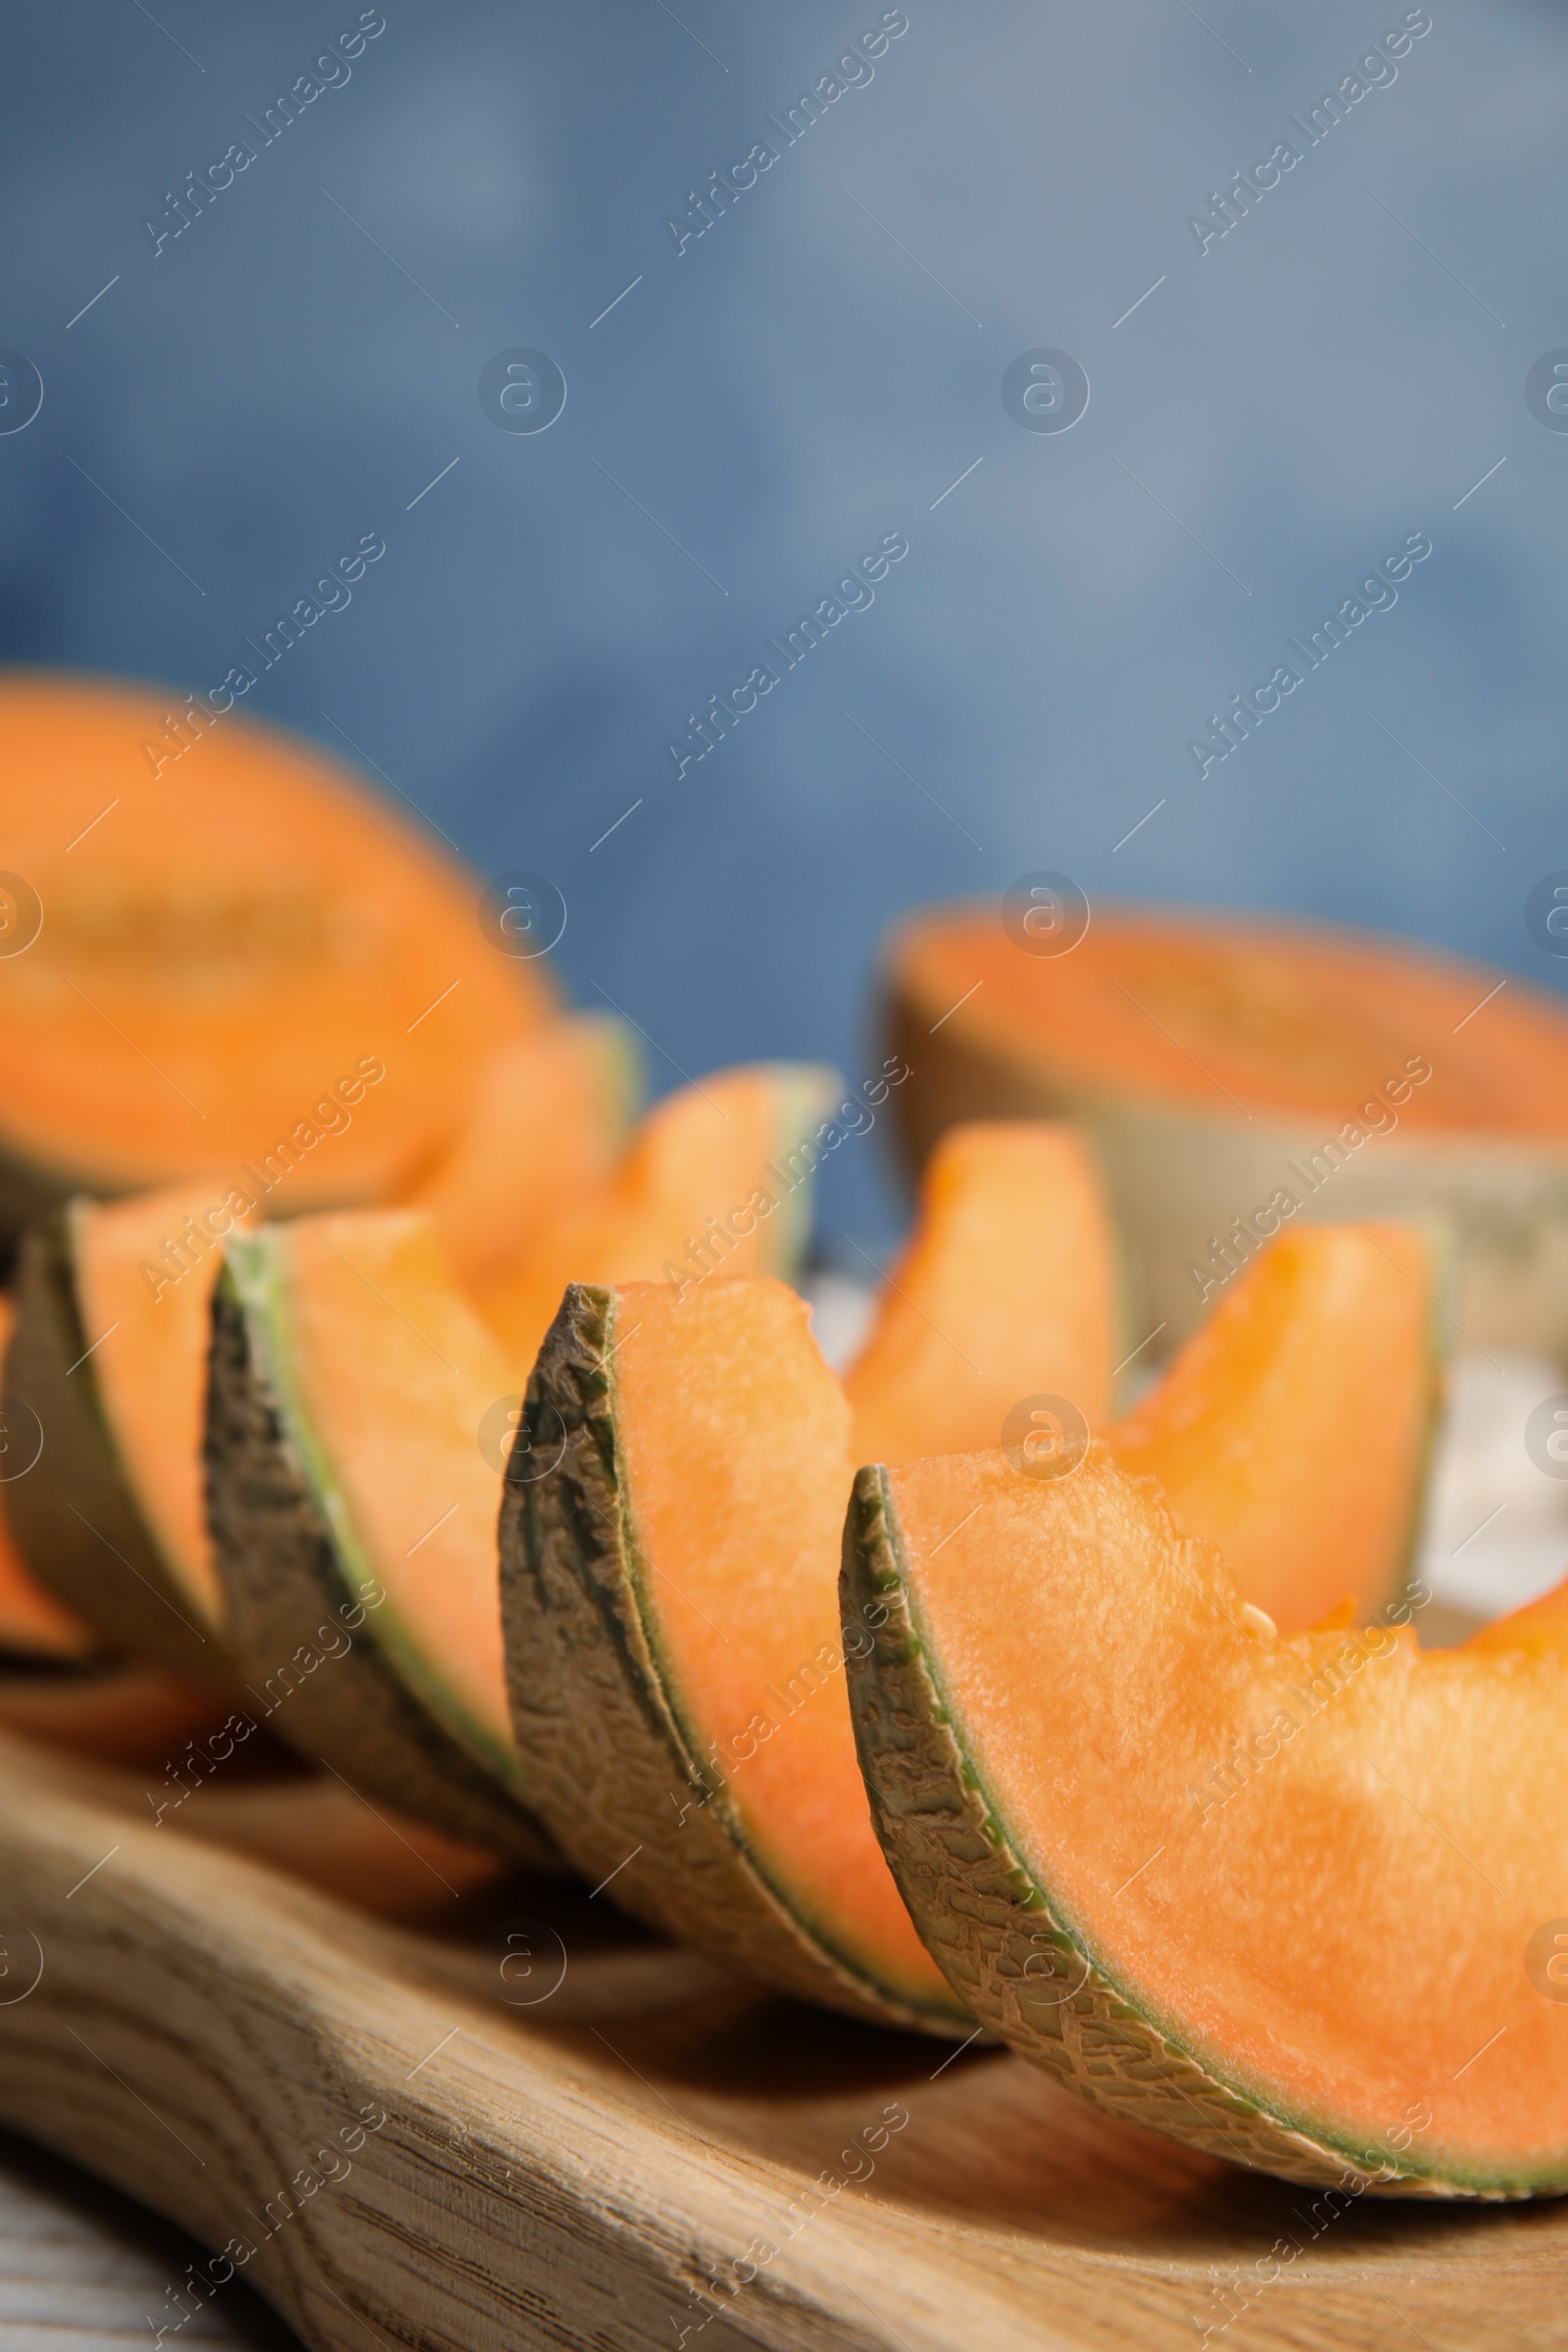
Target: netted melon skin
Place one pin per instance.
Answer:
(989, 1924)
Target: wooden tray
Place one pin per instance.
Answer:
(626, 2157)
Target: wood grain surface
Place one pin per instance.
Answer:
(594, 2139)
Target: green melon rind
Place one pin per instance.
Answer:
(260, 1270)
(990, 1920)
(75, 1515)
(612, 1756)
(291, 1561)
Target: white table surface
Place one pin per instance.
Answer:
(85, 2269)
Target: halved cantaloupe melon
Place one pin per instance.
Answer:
(549, 1118)
(352, 1496)
(1222, 1060)
(361, 1416)
(111, 1351)
(32, 1622)
(1007, 1287)
(234, 936)
(672, 1646)
(1294, 1428)
(715, 1179)
(1277, 1898)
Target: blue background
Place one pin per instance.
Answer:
(1278, 415)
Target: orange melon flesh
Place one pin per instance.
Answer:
(1292, 1430)
(1007, 1290)
(715, 1177)
(1343, 1938)
(146, 1325)
(1283, 1017)
(390, 1373)
(738, 1469)
(1539, 1629)
(227, 934)
(32, 1623)
(549, 1117)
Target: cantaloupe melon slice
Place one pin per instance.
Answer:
(360, 1416)
(1008, 1287)
(674, 1648)
(356, 1419)
(234, 932)
(715, 1179)
(1540, 1628)
(1294, 1430)
(1282, 1899)
(111, 1351)
(549, 1118)
(32, 1623)
(1220, 1060)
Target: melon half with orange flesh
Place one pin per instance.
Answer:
(1289, 1900)
(218, 925)
(674, 1648)
(1222, 1058)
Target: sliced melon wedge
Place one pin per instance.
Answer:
(716, 1179)
(1284, 1899)
(359, 1420)
(1294, 1428)
(1008, 1287)
(32, 1622)
(111, 1352)
(674, 1648)
(358, 1416)
(549, 1118)
(1540, 1628)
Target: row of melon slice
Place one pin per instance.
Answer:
(678, 1662)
